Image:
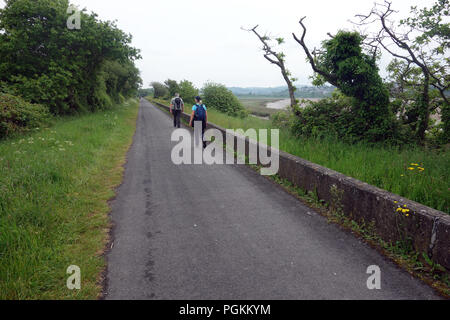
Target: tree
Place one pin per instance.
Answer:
(217, 96)
(45, 62)
(160, 90)
(278, 59)
(342, 62)
(172, 86)
(188, 91)
(420, 50)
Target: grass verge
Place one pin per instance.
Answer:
(54, 188)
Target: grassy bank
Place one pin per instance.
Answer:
(388, 168)
(54, 188)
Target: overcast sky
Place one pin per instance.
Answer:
(202, 40)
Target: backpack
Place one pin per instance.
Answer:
(178, 104)
(200, 113)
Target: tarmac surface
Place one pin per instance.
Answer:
(199, 232)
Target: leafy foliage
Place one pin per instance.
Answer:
(356, 75)
(336, 118)
(17, 115)
(159, 90)
(217, 96)
(420, 45)
(68, 70)
(188, 91)
(430, 21)
(421, 90)
(172, 86)
(356, 72)
(145, 92)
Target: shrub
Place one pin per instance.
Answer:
(187, 91)
(217, 96)
(281, 119)
(17, 115)
(339, 117)
(438, 134)
(356, 74)
(172, 86)
(45, 62)
(159, 90)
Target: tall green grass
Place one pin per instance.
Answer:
(54, 187)
(384, 167)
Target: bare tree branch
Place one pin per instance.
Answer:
(278, 60)
(332, 79)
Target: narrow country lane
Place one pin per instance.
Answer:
(225, 232)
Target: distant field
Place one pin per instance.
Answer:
(257, 106)
(261, 106)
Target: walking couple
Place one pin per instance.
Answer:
(199, 114)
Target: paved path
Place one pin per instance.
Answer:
(225, 232)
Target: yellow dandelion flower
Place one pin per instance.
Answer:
(410, 168)
(399, 209)
(395, 202)
(407, 215)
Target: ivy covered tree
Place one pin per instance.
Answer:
(159, 90)
(342, 62)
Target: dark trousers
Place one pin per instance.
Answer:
(176, 118)
(202, 134)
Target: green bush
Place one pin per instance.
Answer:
(188, 91)
(356, 74)
(17, 115)
(217, 96)
(444, 137)
(47, 63)
(438, 133)
(281, 119)
(339, 117)
(159, 90)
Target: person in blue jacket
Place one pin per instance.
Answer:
(199, 113)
